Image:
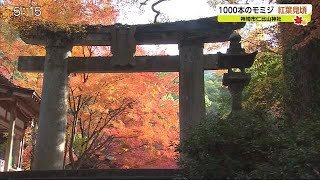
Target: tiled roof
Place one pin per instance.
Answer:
(29, 99)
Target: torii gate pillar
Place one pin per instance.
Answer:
(50, 145)
(191, 87)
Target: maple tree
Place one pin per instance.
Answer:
(134, 124)
(119, 120)
(138, 131)
(91, 121)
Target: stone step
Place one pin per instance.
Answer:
(117, 174)
(110, 177)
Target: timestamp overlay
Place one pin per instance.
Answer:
(27, 11)
(299, 14)
(8, 9)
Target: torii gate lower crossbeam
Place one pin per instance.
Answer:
(57, 65)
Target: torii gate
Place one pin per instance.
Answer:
(191, 63)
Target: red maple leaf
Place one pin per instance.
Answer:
(298, 20)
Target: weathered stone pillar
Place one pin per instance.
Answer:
(236, 81)
(9, 147)
(191, 87)
(50, 144)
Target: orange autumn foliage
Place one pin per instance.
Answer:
(309, 32)
(147, 129)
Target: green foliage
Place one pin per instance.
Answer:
(3, 144)
(252, 145)
(217, 96)
(302, 158)
(231, 147)
(79, 144)
(301, 75)
(266, 88)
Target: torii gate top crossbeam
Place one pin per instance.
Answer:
(206, 30)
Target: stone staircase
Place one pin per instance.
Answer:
(116, 174)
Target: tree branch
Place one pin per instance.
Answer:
(153, 8)
(156, 11)
(265, 48)
(143, 3)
